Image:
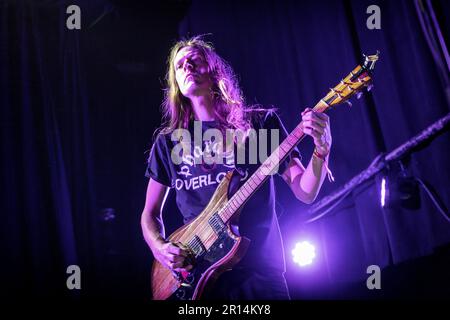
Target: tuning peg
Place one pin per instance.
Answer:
(369, 87)
(359, 95)
(349, 103)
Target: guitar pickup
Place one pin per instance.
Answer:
(216, 224)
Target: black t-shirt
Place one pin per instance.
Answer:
(195, 184)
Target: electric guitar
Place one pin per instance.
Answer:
(211, 239)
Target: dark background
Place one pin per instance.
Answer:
(79, 108)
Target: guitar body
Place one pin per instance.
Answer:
(217, 248)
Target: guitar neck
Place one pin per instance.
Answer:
(267, 168)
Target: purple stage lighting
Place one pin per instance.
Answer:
(304, 253)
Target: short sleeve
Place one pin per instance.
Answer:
(273, 121)
(158, 167)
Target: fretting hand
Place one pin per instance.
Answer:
(317, 125)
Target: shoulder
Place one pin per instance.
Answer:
(265, 117)
(162, 136)
(272, 120)
(160, 139)
(161, 143)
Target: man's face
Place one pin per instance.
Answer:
(191, 72)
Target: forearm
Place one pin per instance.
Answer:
(152, 229)
(312, 178)
(307, 182)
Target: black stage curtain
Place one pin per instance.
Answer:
(79, 107)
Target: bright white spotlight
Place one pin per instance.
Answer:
(383, 192)
(304, 253)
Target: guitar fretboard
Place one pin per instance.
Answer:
(267, 168)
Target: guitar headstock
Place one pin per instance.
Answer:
(358, 80)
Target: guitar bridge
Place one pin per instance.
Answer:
(197, 247)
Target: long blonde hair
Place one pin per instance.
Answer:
(230, 109)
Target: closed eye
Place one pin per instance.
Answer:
(193, 60)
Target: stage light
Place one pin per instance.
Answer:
(383, 192)
(304, 253)
(399, 190)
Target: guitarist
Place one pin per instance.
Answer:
(201, 86)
